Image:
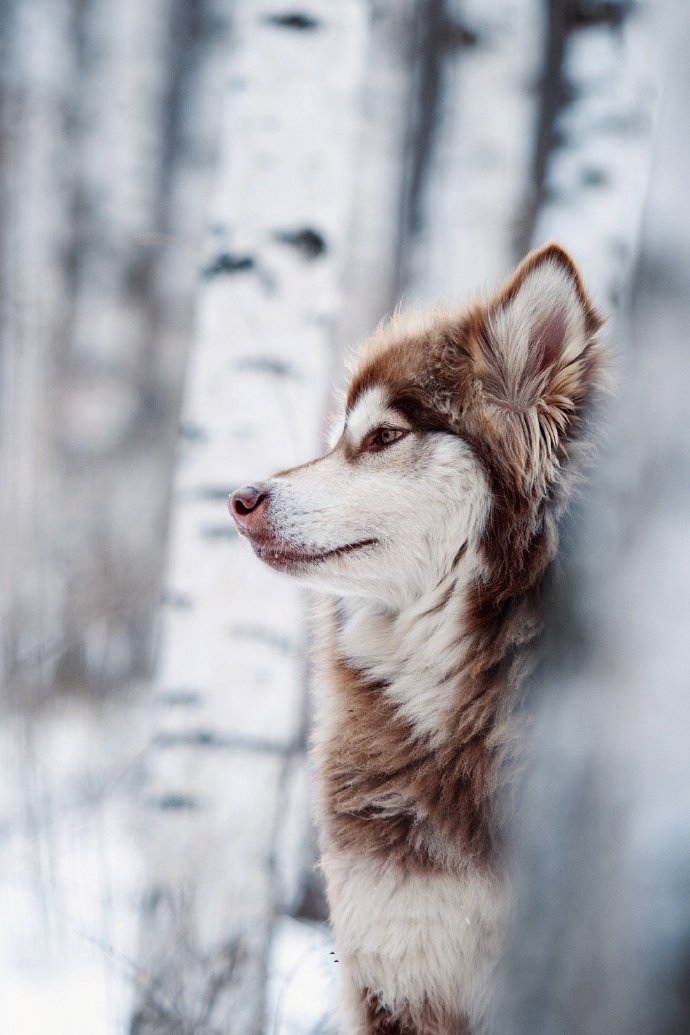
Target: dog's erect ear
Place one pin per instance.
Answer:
(537, 365)
(537, 334)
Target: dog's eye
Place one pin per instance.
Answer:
(381, 437)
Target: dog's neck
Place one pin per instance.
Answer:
(413, 716)
(415, 652)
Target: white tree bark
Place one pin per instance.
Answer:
(227, 770)
(442, 188)
(32, 94)
(596, 177)
(476, 188)
(372, 274)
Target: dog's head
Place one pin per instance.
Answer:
(459, 428)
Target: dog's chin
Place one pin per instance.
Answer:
(293, 559)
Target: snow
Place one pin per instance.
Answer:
(70, 874)
(303, 985)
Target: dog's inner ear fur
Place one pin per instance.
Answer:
(549, 337)
(538, 327)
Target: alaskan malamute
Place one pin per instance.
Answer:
(428, 528)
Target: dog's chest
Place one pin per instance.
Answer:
(417, 913)
(395, 779)
(410, 936)
(409, 656)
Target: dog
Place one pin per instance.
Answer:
(428, 529)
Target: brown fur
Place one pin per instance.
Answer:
(410, 1021)
(440, 379)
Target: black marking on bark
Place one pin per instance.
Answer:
(179, 600)
(153, 899)
(630, 122)
(181, 698)
(267, 365)
(190, 25)
(458, 35)
(308, 242)
(553, 94)
(584, 13)
(205, 738)
(219, 532)
(259, 633)
(436, 35)
(293, 20)
(226, 262)
(563, 17)
(594, 177)
(138, 274)
(427, 59)
(193, 738)
(172, 802)
(193, 432)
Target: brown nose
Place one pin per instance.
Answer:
(248, 504)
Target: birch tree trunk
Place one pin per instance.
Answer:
(109, 122)
(227, 820)
(109, 127)
(469, 172)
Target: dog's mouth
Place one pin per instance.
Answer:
(292, 558)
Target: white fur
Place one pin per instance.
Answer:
(421, 498)
(367, 413)
(408, 937)
(413, 651)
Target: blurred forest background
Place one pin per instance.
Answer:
(203, 205)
